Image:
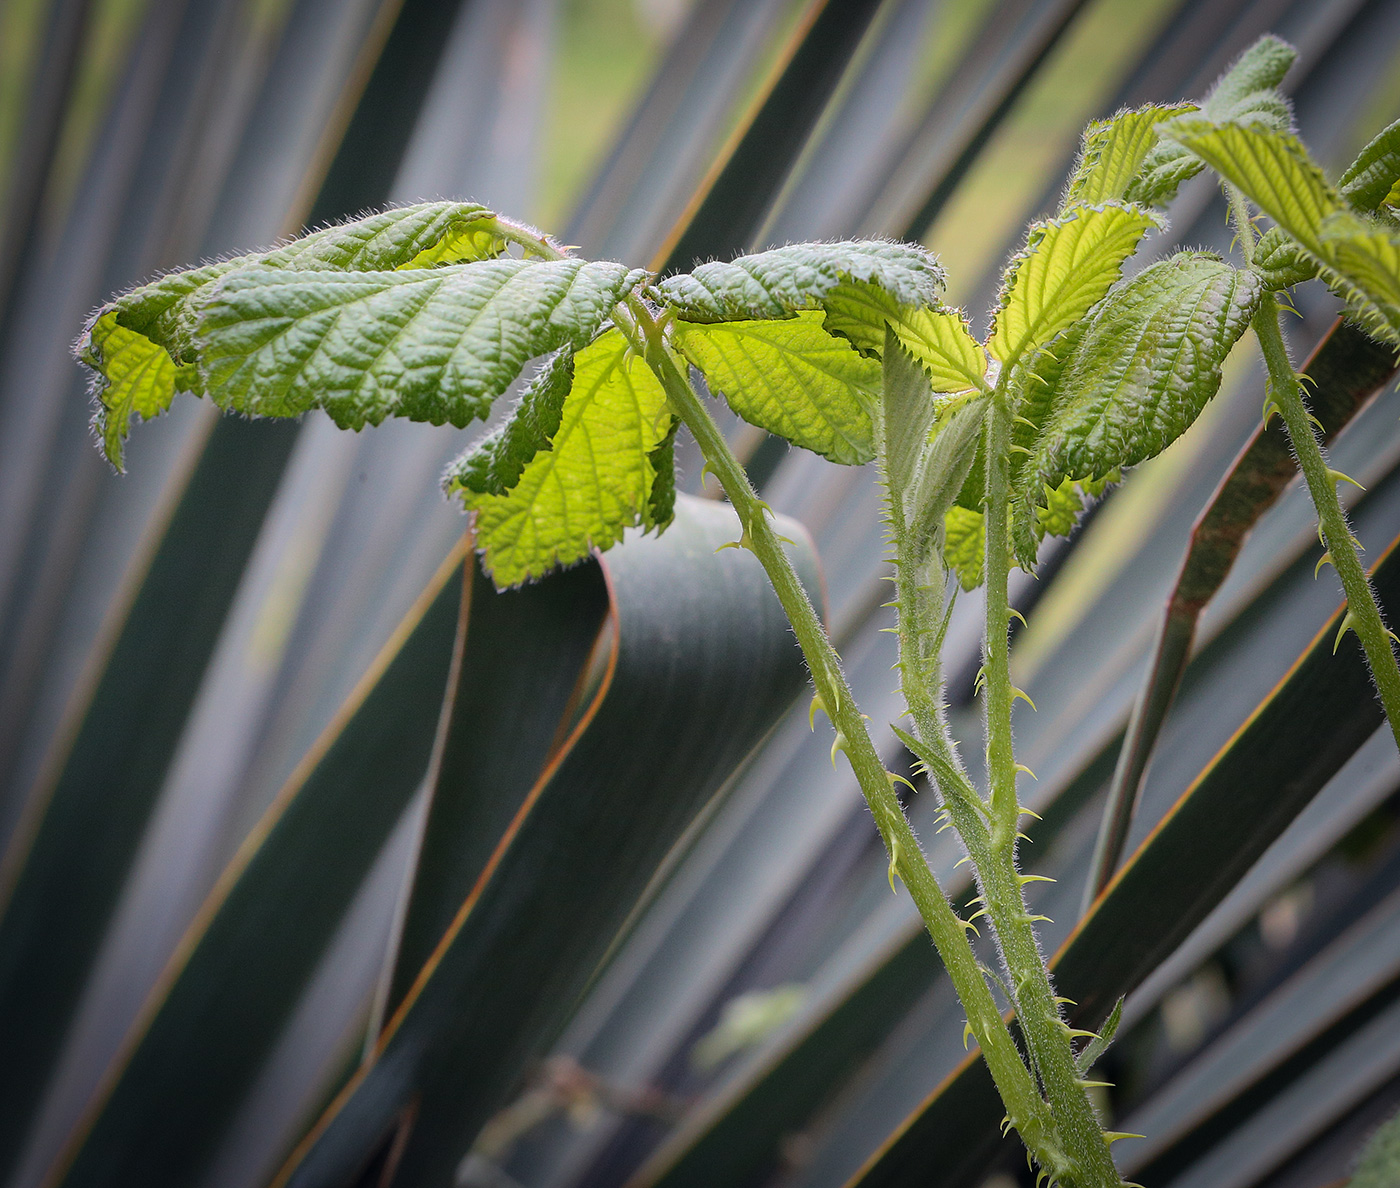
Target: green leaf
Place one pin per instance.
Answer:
(1280, 262)
(1114, 150)
(778, 283)
(965, 546)
(907, 411)
(939, 339)
(1100, 1044)
(1246, 93)
(1380, 1159)
(792, 378)
(1364, 261)
(1148, 360)
(598, 477)
(130, 378)
(1061, 511)
(435, 345)
(944, 466)
(1068, 264)
(494, 465)
(1271, 168)
(1370, 180)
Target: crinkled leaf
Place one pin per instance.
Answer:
(1148, 361)
(1247, 93)
(1114, 150)
(1363, 266)
(965, 546)
(792, 378)
(1281, 262)
(435, 345)
(1368, 184)
(1068, 264)
(494, 465)
(778, 283)
(938, 338)
(1271, 168)
(599, 477)
(164, 312)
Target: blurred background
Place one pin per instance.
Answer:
(245, 574)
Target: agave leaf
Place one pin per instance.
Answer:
(582, 489)
(778, 283)
(1147, 362)
(524, 934)
(436, 345)
(1113, 152)
(1068, 264)
(141, 346)
(792, 378)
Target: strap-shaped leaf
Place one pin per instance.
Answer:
(792, 378)
(778, 283)
(938, 338)
(1272, 169)
(130, 340)
(1148, 361)
(1246, 93)
(1068, 264)
(435, 345)
(1370, 180)
(1113, 152)
(598, 478)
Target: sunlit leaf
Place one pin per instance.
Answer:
(965, 546)
(1113, 151)
(792, 378)
(1370, 179)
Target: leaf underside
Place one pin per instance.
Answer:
(792, 378)
(607, 468)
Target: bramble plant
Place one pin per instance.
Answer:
(984, 448)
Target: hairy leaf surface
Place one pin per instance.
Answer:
(163, 313)
(599, 477)
(1148, 361)
(1246, 93)
(792, 378)
(938, 338)
(1114, 150)
(778, 283)
(435, 345)
(1370, 180)
(1068, 264)
(907, 411)
(1281, 262)
(1364, 268)
(944, 465)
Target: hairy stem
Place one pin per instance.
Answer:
(1025, 1109)
(1363, 613)
(1047, 1035)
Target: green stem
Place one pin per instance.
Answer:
(1025, 1109)
(1362, 611)
(1343, 550)
(1047, 1035)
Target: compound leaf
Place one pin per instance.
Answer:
(965, 546)
(599, 476)
(1247, 93)
(1370, 180)
(1114, 150)
(792, 378)
(163, 313)
(1147, 363)
(435, 345)
(778, 283)
(938, 338)
(1068, 264)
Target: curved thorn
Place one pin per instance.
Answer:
(1338, 477)
(817, 704)
(1325, 559)
(1347, 625)
(1022, 695)
(1022, 766)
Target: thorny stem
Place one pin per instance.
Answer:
(1363, 614)
(1025, 1109)
(1047, 1035)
